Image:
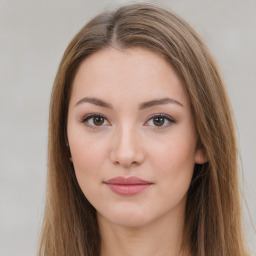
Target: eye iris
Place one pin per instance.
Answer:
(98, 120)
(158, 121)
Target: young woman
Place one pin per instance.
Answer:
(142, 150)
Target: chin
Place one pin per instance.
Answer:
(126, 218)
(132, 221)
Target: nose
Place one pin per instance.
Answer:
(127, 149)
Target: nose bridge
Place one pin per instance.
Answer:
(127, 148)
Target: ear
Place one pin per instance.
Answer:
(70, 158)
(200, 154)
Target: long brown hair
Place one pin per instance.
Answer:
(213, 212)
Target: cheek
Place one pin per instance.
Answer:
(174, 154)
(88, 160)
(176, 167)
(87, 157)
(86, 149)
(173, 162)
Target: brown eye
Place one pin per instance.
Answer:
(159, 121)
(95, 120)
(98, 120)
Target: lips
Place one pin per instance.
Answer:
(127, 186)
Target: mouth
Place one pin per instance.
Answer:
(127, 186)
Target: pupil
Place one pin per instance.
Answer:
(98, 120)
(159, 121)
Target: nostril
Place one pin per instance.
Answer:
(126, 150)
(126, 164)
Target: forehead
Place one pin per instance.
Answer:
(127, 74)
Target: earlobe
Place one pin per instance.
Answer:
(70, 158)
(201, 156)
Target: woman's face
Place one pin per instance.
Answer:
(132, 136)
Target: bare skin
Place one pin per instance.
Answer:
(156, 239)
(129, 116)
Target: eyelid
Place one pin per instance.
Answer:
(87, 117)
(165, 116)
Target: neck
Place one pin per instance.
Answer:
(162, 237)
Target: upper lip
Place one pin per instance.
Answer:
(127, 181)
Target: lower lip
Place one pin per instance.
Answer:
(129, 189)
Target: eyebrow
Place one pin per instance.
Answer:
(148, 104)
(95, 101)
(163, 101)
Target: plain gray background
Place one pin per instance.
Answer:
(33, 37)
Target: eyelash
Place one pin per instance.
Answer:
(91, 116)
(152, 117)
(167, 118)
